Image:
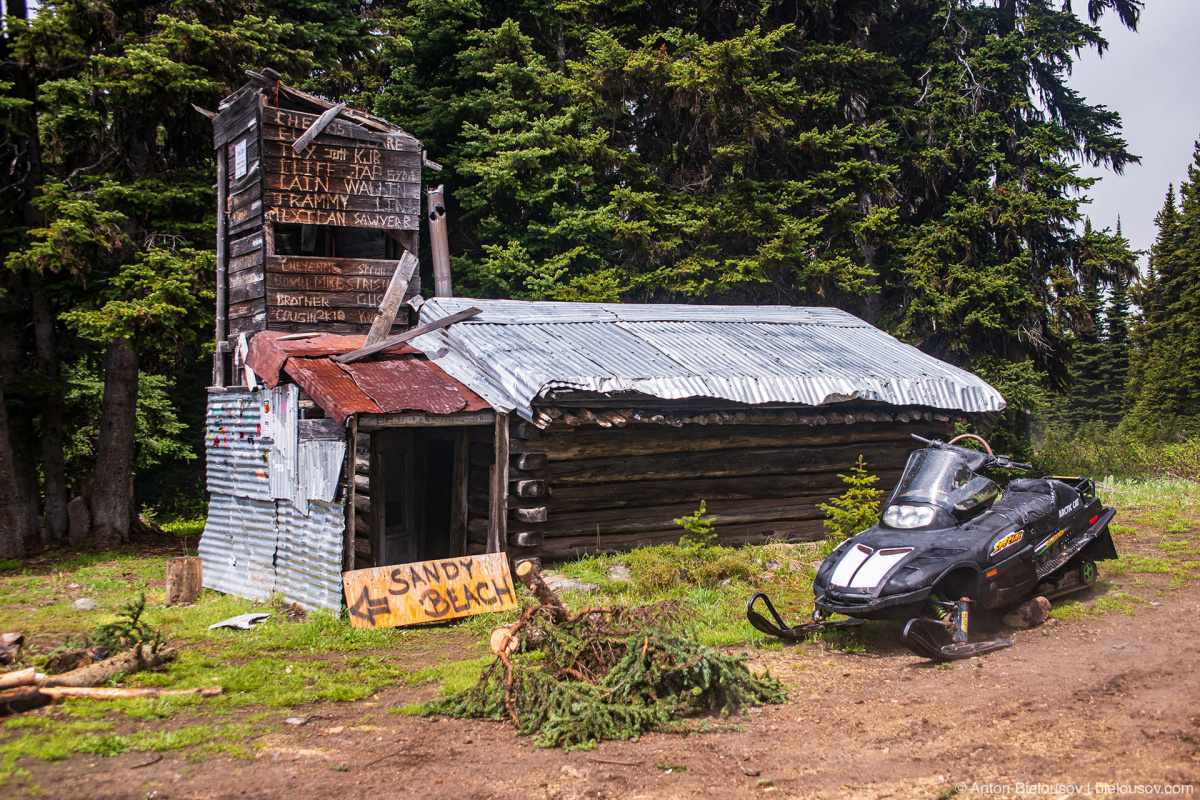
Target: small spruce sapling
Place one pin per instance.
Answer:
(857, 509)
(700, 533)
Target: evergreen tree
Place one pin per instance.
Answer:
(1167, 334)
(1115, 364)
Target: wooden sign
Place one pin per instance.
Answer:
(429, 591)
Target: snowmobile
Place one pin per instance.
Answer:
(950, 542)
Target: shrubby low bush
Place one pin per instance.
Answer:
(1098, 451)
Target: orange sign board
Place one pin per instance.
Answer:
(428, 591)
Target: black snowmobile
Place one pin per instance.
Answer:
(949, 541)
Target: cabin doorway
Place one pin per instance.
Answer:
(417, 499)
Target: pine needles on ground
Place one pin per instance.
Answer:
(609, 673)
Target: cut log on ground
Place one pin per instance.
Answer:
(183, 580)
(18, 701)
(20, 677)
(75, 659)
(134, 660)
(529, 575)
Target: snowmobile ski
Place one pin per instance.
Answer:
(799, 632)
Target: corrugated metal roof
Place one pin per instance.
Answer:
(514, 352)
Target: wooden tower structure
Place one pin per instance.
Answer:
(317, 203)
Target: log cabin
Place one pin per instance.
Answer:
(389, 429)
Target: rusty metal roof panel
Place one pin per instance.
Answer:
(331, 387)
(515, 352)
(407, 384)
(237, 549)
(308, 562)
(236, 446)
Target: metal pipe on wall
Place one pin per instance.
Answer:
(439, 244)
(222, 326)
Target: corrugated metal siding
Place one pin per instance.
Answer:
(237, 550)
(514, 352)
(236, 446)
(254, 545)
(308, 562)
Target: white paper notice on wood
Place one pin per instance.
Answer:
(239, 159)
(429, 591)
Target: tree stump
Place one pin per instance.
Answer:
(1029, 614)
(79, 521)
(183, 580)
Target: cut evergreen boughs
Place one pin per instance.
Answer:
(609, 673)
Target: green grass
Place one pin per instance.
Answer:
(269, 671)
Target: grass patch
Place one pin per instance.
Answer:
(454, 675)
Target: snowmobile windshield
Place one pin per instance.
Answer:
(936, 477)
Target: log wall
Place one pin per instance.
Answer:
(586, 489)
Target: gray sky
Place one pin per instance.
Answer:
(1152, 78)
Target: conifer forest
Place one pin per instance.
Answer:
(914, 162)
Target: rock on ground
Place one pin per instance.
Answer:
(561, 583)
(85, 604)
(1029, 614)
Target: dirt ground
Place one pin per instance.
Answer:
(1070, 710)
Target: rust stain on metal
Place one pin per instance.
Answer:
(331, 388)
(270, 350)
(407, 384)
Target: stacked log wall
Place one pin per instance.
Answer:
(363, 557)
(587, 489)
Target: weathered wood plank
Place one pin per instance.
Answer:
(529, 515)
(250, 260)
(497, 524)
(391, 299)
(248, 291)
(528, 462)
(362, 300)
(651, 439)
(327, 185)
(405, 170)
(318, 125)
(561, 548)
(718, 463)
(246, 244)
(318, 265)
(392, 341)
(459, 512)
(246, 277)
(280, 118)
(344, 219)
(363, 159)
(311, 282)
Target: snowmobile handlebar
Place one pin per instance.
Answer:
(1004, 462)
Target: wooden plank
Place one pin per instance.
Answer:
(250, 290)
(311, 282)
(405, 171)
(416, 419)
(651, 439)
(317, 265)
(302, 122)
(428, 591)
(649, 493)
(348, 474)
(391, 300)
(359, 161)
(240, 247)
(659, 517)
(245, 198)
(246, 220)
(719, 463)
(529, 462)
(250, 260)
(368, 301)
(247, 308)
(529, 515)
(459, 512)
(296, 201)
(497, 525)
(344, 219)
(335, 320)
(363, 352)
(246, 277)
(318, 125)
(239, 118)
(325, 184)
(562, 548)
(525, 539)
(340, 134)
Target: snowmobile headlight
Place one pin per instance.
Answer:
(908, 516)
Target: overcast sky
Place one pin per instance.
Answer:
(1152, 78)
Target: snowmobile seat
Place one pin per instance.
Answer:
(1026, 503)
(1038, 485)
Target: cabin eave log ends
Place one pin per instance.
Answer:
(577, 490)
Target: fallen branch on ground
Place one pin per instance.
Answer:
(113, 693)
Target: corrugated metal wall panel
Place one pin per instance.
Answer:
(309, 559)
(237, 550)
(236, 447)
(281, 422)
(321, 465)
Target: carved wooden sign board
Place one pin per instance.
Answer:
(348, 176)
(429, 591)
